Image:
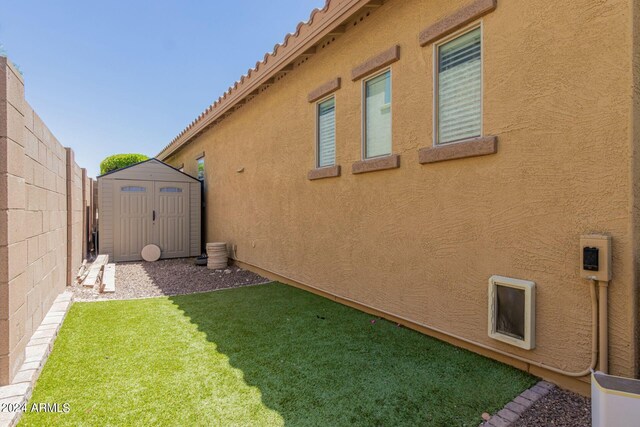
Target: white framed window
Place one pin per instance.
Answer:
(377, 115)
(200, 168)
(326, 132)
(458, 84)
(512, 317)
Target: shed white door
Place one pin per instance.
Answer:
(133, 219)
(172, 218)
(150, 212)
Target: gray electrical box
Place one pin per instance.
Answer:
(595, 257)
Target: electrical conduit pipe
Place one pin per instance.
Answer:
(603, 301)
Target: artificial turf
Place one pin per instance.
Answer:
(263, 355)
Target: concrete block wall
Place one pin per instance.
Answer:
(40, 212)
(75, 215)
(87, 192)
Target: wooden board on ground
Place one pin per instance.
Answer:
(109, 278)
(82, 272)
(95, 271)
(82, 269)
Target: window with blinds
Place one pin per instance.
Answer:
(377, 129)
(327, 133)
(460, 88)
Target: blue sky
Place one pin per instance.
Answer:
(127, 76)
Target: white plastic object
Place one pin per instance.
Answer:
(615, 401)
(151, 253)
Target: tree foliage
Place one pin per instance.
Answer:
(119, 161)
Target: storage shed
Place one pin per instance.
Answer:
(149, 203)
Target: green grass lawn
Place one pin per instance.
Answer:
(264, 355)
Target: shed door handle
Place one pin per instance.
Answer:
(154, 215)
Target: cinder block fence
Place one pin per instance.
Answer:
(45, 200)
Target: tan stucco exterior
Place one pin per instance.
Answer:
(420, 241)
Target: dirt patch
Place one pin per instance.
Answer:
(559, 408)
(168, 277)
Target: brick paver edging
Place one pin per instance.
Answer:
(36, 354)
(512, 410)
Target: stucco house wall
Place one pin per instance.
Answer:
(420, 241)
(634, 149)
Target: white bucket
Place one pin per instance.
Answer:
(615, 401)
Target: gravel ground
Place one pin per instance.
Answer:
(168, 277)
(559, 408)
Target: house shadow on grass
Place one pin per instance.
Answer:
(317, 362)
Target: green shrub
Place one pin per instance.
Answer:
(119, 161)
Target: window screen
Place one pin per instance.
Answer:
(133, 189)
(327, 133)
(378, 116)
(201, 168)
(510, 311)
(170, 190)
(460, 88)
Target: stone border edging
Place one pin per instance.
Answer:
(514, 409)
(36, 354)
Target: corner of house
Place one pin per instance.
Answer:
(635, 178)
